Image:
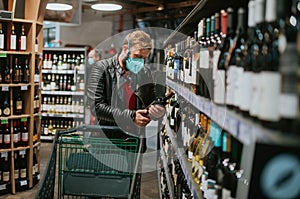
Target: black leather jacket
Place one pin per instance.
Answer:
(106, 96)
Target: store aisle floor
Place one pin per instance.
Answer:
(149, 185)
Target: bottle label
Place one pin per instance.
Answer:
(23, 172)
(23, 42)
(204, 59)
(291, 110)
(6, 111)
(1, 41)
(25, 136)
(219, 87)
(46, 132)
(16, 173)
(269, 96)
(34, 104)
(1, 138)
(19, 105)
(37, 103)
(5, 176)
(6, 138)
(13, 42)
(16, 137)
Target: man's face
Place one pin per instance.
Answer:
(139, 53)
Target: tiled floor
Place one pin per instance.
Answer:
(149, 185)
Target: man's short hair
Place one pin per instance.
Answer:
(138, 39)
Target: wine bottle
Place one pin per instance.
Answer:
(7, 73)
(6, 106)
(35, 162)
(13, 38)
(22, 39)
(23, 166)
(19, 103)
(16, 134)
(24, 134)
(2, 36)
(16, 72)
(161, 100)
(17, 166)
(269, 93)
(5, 169)
(236, 60)
(228, 41)
(26, 72)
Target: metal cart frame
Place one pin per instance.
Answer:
(81, 175)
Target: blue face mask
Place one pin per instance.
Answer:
(91, 61)
(135, 65)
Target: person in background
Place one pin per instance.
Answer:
(93, 56)
(121, 88)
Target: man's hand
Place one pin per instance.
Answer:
(141, 118)
(156, 111)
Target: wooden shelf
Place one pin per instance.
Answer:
(29, 13)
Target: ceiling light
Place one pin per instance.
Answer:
(58, 6)
(106, 7)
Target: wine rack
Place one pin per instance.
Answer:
(21, 49)
(63, 89)
(260, 128)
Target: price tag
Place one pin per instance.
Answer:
(5, 88)
(24, 119)
(23, 182)
(4, 154)
(2, 54)
(207, 109)
(246, 135)
(22, 152)
(233, 126)
(3, 187)
(4, 121)
(24, 88)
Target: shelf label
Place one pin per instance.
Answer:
(24, 88)
(3, 54)
(3, 187)
(246, 134)
(5, 88)
(4, 121)
(23, 182)
(24, 119)
(4, 154)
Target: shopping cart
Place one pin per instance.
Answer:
(92, 165)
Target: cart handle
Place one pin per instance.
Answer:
(90, 128)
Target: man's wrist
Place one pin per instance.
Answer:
(132, 115)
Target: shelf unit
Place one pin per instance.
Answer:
(28, 14)
(71, 72)
(252, 133)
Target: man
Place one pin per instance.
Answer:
(121, 88)
(93, 56)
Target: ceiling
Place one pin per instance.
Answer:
(152, 13)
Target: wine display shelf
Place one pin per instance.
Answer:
(185, 164)
(62, 92)
(78, 94)
(242, 128)
(44, 71)
(28, 14)
(170, 183)
(63, 115)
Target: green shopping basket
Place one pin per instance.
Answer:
(92, 165)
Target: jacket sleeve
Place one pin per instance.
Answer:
(100, 96)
